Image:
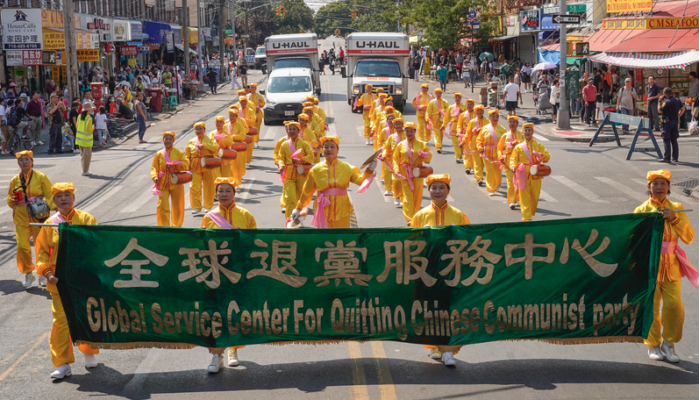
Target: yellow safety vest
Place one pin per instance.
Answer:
(82, 137)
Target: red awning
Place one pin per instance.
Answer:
(657, 41)
(604, 39)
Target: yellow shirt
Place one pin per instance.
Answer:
(464, 118)
(390, 144)
(314, 127)
(282, 155)
(519, 157)
(258, 102)
(248, 114)
(224, 143)
(454, 119)
(381, 136)
(237, 216)
(433, 215)
(505, 151)
(337, 174)
(473, 129)
(401, 159)
(433, 111)
(159, 165)
(39, 185)
(679, 228)
(425, 99)
(321, 115)
(209, 148)
(238, 130)
(368, 99)
(378, 109)
(486, 144)
(48, 244)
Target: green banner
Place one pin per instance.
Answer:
(587, 280)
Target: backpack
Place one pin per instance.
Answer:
(12, 119)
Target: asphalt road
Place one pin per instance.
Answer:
(585, 182)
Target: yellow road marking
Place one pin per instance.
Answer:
(359, 390)
(37, 342)
(386, 388)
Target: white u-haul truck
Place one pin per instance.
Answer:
(378, 58)
(294, 51)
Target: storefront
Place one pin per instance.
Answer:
(157, 38)
(136, 38)
(22, 31)
(529, 27)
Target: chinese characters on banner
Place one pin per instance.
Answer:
(129, 51)
(88, 55)
(618, 6)
(31, 57)
(54, 40)
(22, 29)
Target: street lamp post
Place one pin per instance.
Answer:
(563, 112)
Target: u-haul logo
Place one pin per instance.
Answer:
(377, 44)
(290, 45)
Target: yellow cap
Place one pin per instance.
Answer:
(25, 153)
(252, 84)
(379, 90)
(512, 117)
(407, 125)
(438, 178)
(316, 100)
(169, 133)
(241, 92)
(236, 106)
(62, 187)
(528, 125)
(424, 86)
(220, 180)
(334, 139)
(304, 117)
(200, 125)
(661, 173)
(308, 109)
(470, 101)
(438, 90)
(383, 95)
(292, 123)
(479, 107)
(388, 109)
(242, 98)
(397, 120)
(389, 98)
(220, 118)
(310, 97)
(495, 111)
(369, 86)
(457, 94)
(233, 110)
(307, 104)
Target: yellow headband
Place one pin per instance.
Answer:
(369, 86)
(383, 96)
(397, 120)
(169, 134)
(424, 86)
(407, 125)
(310, 98)
(662, 173)
(25, 153)
(316, 101)
(470, 101)
(438, 90)
(495, 111)
(528, 125)
(62, 187)
(200, 125)
(512, 117)
(240, 92)
(457, 94)
(334, 139)
(479, 107)
(220, 180)
(308, 109)
(220, 119)
(304, 117)
(253, 85)
(242, 98)
(438, 178)
(388, 109)
(292, 123)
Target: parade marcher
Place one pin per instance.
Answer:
(672, 267)
(461, 131)
(315, 123)
(309, 136)
(387, 158)
(290, 152)
(28, 185)
(366, 101)
(420, 102)
(226, 216)
(440, 213)
(381, 137)
(473, 162)
(379, 105)
(319, 111)
(224, 141)
(236, 128)
(451, 120)
(506, 145)
(436, 111)
(408, 154)
(47, 253)
(526, 154)
(487, 141)
(259, 102)
(198, 148)
(330, 179)
(247, 112)
(389, 103)
(380, 126)
(170, 211)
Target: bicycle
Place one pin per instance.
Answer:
(17, 143)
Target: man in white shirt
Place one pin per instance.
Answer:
(510, 96)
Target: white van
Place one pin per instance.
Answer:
(286, 91)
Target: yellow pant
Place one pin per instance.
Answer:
(529, 199)
(207, 178)
(171, 215)
(473, 161)
(248, 153)
(444, 349)
(339, 223)
(60, 343)
(24, 232)
(412, 200)
(437, 129)
(221, 350)
(226, 170)
(239, 168)
(512, 192)
(367, 125)
(292, 191)
(458, 153)
(672, 317)
(493, 176)
(387, 177)
(423, 133)
(397, 188)
(258, 124)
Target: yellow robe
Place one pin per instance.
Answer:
(529, 197)
(454, 120)
(317, 110)
(238, 132)
(368, 99)
(472, 159)
(388, 147)
(226, 169)
(668, 286)
(505, 147)
(39, 185)
(422, 132)
(308, 134)
(259, 104)
(412, 199)
(489, 148)
(248, 114)
(47, 251)
(201, 176)
(433, 110)
(293, 181)
(166, 214)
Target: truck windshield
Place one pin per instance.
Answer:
(292, 63)
(383, 68)
(289, 84)
(260, 51)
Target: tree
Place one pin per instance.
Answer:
(332, 16)
(380, 16)
(261, 23)
(298, 18)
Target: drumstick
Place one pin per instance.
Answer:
(40, 224)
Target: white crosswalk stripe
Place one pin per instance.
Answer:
(584, 192)
(332, 130)
(540, 138)
(98, 201)
(271, 132)
(543, 196)
(242, 196)
(623, 188)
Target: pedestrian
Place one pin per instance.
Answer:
(416, 68)
(653, 94)
(34, 109)
(624, 102)
(666, 328)
(55, 122)
(73, 122)
(526, 154)
(234, 78)
(167, 78)
(47, 254)
(442, 76)
(212, 75)
(554, 99)
(101, 126)
(5, 135)
(670, 110)
(466, 76)
(693, 94)
(582, 82)
(590, 99)
(83, 137)
(510, 96)
(243, 73)
(140, 109)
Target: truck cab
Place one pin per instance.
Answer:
(294, 51)
(286, 92)
(380, 59)
(261, 59)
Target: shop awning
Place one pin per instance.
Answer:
(181, 48)
(677, 60)
(502, 38)
(659, 40)
(605, 39)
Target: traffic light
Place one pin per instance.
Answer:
(279, 12)
(282, 11)
(355, 14)
(337, 32)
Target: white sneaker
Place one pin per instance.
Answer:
(256, 146)
(459, 160)
(397, 203)
(367, 142)
(195, 212)
(492, 193)
(90, 361)
(468, 171)
(448, 359)
(28, 280)
(42, 281)
(371, 142)
(669, 350)
(40, 142)
(206, 210)
(216, 364)
(88, 173)
(283, 210)
(233, 357)
(61, 372)
(435, 354)
(33, 143)
(439, 151)
(512, 206)
(654, 353)
(247, 165)
(388, 193)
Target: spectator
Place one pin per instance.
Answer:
(141, 117)
(671, 110)
(526, 72)
(140, 86)
(34, 110)
(55, 117)
(416, 67)
(123, 111)
(167, 77)
(510, 96)
(653, 95)
(101, 127)
(75, 110)
(590, 98)
(5, 136)
(555, 92)
(625, 100)
(50, 88)
(212, 75)
(693, 93)
(112, 84)
(243, 73)
(442, 76)
(582, 82)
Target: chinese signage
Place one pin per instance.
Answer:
(13, 58)
(652, 23)
(54, 19)
(31, 57)
(122, 30)
(54, 40)
(618, 6)
(129, 51)
(21, 29)
(529, 20)
(88, 55)
(587, 280)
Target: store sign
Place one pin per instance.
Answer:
(13, 58)
(511, 20)
(31, 57)
(129, 51)
(22, 29)
(618, 6)
(88, 55)
(136, 30)
(132, 61)
(54, 40)
(54, 19)
(652, 23)
(529, 20)
(122, 30)
(207, 34)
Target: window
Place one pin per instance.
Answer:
(378, 68)
(289, 84)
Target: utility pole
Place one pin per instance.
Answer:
(70, 55)
(563, 112)
(221, 45)
(235, 40)
(200, 73)
(185, 46)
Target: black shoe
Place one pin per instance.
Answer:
(675, 161)
(664, 161)
(59, 151)
(50, 152)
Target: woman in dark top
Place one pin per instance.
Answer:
(73, 118)
(112, 84)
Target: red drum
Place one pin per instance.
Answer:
(227, 154)
(239, 146)
(248, 139)
(252, 131)
(210, 162)
(423, 171)
(540, 170)
(302, 169)
(422, 107)
(178, 178)
(367, 108)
